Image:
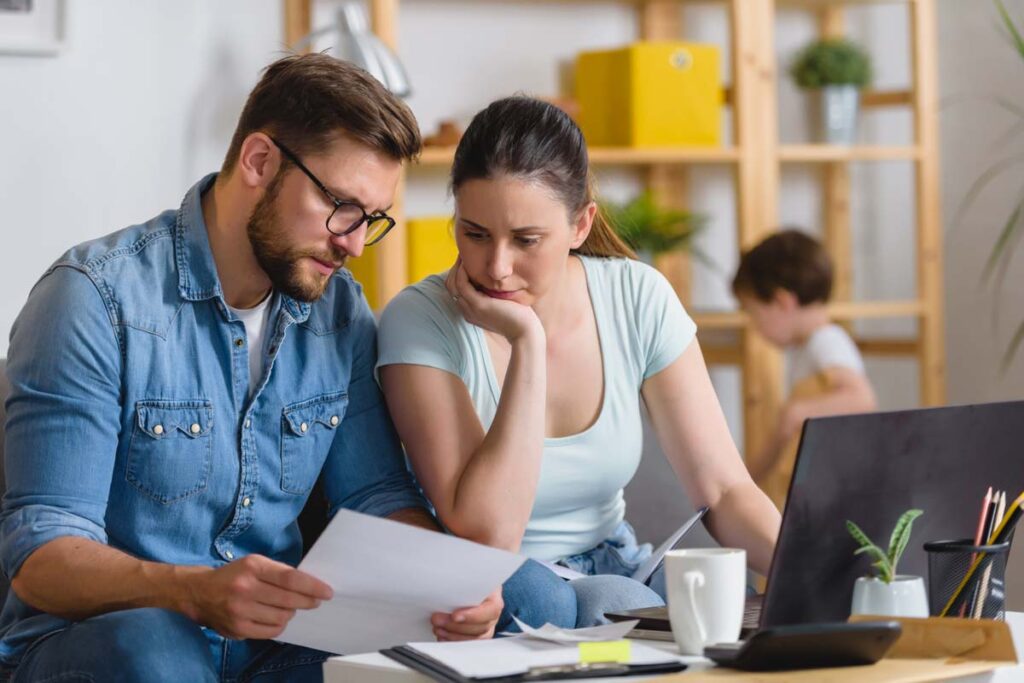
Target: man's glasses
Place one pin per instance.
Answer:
(347, 217)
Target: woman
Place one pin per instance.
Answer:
(515, 379)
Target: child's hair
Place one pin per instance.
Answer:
(789, 260)
(527, 138)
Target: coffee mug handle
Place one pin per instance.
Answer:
(692, 580)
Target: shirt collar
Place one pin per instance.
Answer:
(197, 272)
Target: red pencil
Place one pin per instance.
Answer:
(979, 534)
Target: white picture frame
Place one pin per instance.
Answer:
(32, 28)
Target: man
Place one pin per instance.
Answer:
(178, 388)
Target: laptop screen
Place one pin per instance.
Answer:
(871, 468)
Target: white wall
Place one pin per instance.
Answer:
(114, 130)
(978, 66)
(144, 98)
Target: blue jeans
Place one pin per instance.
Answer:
(155, 645)
(537, 595)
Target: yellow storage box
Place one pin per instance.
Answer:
(650, 94)
(431, 246)
(431, 249)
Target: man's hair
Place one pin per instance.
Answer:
(306, 101)
(789, 260)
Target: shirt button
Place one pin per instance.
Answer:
(246, 502)
(239, 342)
(158, 430)
(195, 428)
(230, 555)
(248, 423)
(303, 427)
(334, 420)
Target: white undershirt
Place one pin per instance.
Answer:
(255, 321)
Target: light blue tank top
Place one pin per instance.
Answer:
(642, 327)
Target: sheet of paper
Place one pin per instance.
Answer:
(561, 571)
(651, 564)
(388, 578)
(510, 656)
(555, 634)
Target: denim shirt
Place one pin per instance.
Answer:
(130, 420)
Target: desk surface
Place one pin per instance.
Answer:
(376, 668)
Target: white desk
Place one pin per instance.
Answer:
(376, 668)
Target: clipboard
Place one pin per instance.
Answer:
(440, 671)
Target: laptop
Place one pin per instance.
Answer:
(870, 468)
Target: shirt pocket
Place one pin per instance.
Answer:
(307, 432)
(170, 453)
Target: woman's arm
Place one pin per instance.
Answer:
(481, 484)
(694, 436)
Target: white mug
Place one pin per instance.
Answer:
(706, 590)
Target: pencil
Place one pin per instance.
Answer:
(982, 596)
(979, 534)
(1002, 532)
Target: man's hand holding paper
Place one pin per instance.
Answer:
(394, 583)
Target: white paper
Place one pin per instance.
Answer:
(554, 634)
(511, 656)
(651, 564)
(388, 578)
(563, 572)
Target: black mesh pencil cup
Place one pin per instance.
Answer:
(983, 595)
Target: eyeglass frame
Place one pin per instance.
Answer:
(366, 218)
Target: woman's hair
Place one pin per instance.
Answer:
(526, 138)
(791, 260)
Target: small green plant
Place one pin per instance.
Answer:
(885, 562)
(833, 61)
(645, 226)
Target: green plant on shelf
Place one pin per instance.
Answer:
(885, 561)
(833, 61)
(648, 227)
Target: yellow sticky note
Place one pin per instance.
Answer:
(608, 651)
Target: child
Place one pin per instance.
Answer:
(784, 284)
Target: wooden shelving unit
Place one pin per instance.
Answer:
(618, 156)
(756, 158)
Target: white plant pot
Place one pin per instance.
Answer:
(839, 108)
(904, 597)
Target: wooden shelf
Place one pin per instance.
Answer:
(640, 156)
(830, 153)
(756, 160)
(852, 310)
(618, 156)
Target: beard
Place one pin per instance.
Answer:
(280, 261)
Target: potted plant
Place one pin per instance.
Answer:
(888, 593)
(838, 68)
(651, 229)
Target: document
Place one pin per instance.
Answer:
(517, 656)
(644, 572)
(646, 569)
(388, 578)
(554, 634)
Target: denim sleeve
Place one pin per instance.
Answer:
(63, 417)
(365, 470)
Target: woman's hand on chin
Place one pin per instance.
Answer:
(510, 319)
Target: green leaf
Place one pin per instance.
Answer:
(1000, 250)
(867, 546)
(645, 226)
(1013, 348)
(1018, 40)
(901, 536)
(833, 61)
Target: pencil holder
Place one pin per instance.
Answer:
(983, 595)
